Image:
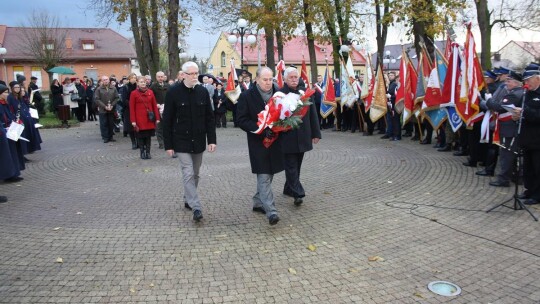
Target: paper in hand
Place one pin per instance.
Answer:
(509, 107)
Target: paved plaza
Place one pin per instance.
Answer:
(93, 223)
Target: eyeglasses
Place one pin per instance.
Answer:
(192, 74)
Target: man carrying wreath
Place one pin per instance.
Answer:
(265, 161)
(296, 142)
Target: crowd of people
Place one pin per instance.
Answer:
(183, 114)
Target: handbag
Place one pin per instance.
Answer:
(75, 97)
(151, 114)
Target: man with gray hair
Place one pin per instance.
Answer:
(160, 87)
(188, 123)
(265, 162)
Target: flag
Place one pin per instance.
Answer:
(232, 91)
(424, 69)
(279, 73)
(368, 85)
(304, 75)
(352, 80)
(378, 107)
(409, 91)
(448, 47)
(400, 93)
(472, 81)
(453, 118)
(433, 98)
(347, 95)
(452, 89)
(328, 97)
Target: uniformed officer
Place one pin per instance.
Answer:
(529, 134)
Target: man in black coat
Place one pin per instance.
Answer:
(295, 143)
(188, 123)
(265, 162)
(38, 99)
(529, 134)
(507, 129)
(160, 87)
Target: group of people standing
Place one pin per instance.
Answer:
(15, 105)
(77, 94)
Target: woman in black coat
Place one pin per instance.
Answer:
(57, 90)
(220, 106)
(125, 93)
(90, 99)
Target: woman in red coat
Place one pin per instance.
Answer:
(144, 115)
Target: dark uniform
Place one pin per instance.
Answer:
(529, 139)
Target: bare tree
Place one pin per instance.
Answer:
(44, 40)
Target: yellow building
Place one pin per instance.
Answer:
(294, 51)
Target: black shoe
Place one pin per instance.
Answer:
(499, 184)
(174, 155)
(273, 219)
(259, 209)
(187, 206)
(461, 153)
(522, 196)
(125, 134)
(385, 136)
(13, 179)
(197, 215)
(287, 193)
(531, 201)
(437, 146)
(485, 173)
(381, 132)
(368, 133)
(112, 140)
(143, 154)
(425, 142)
(134, 146)
(148, 156)
(298, 201)
(3, 199)
(105, 140)
(415, 138)
(26, 160)
(445, 148)
(407, 135)
(469, 164)
(395, 139)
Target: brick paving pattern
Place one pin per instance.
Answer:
(119, 226)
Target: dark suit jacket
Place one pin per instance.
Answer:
(263, 160)
(299, 140)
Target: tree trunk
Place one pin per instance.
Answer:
(134, 18)
(155, 37)
(382, 30)
(172, 38)
(485, 26)
(270, 61)
(310, 43)
(330, 24)
(279, 40)
(145, 38)
(420, 33)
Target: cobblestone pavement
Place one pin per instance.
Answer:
(118, 224)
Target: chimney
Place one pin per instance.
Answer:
(497, 56)
(69, 44)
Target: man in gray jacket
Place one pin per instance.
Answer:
(106, 97)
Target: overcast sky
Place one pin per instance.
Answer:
(200, 42)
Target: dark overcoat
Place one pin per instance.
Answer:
(263, 160)
(188, 120)
(530, 130)
(300, 140)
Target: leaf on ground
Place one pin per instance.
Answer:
(79, 213)
(418, 294)
(57, 228)
(311, 247)
(291, 270)
(132, 290)
(147, 170)
(59, 260)
(389, 182)
(326, 192)
(375, 258)
(217, 251)
(152, 285)
(353, 270)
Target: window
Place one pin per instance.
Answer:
(36, 72)
(18, 70)
(48, 45)
(88, 45)
(223, 59)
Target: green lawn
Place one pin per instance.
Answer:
(49, 121)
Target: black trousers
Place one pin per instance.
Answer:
(531, 173)
(106, 125)
(293, 163)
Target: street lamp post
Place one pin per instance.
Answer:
(3, 51)
(241, 30)
(388, 58)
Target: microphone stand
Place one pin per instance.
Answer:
(518, 204)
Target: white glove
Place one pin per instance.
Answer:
(488, 96)
(388, 96)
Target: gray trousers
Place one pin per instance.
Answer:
(159, 134)
(507, 160)
(190, 165)
(264, 196)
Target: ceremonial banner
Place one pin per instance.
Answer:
(367, 85)
(472, 81)
(378, 106)
(435, 117)
(279, 73)
(400, 92)
(232, 91)
(409, 91)
(304, 75)
(433, 98)
(453, 118)
(424, 69)
(328, 97)
(346, 93)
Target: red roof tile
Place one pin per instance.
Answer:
(293, 51)
(108, 44)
